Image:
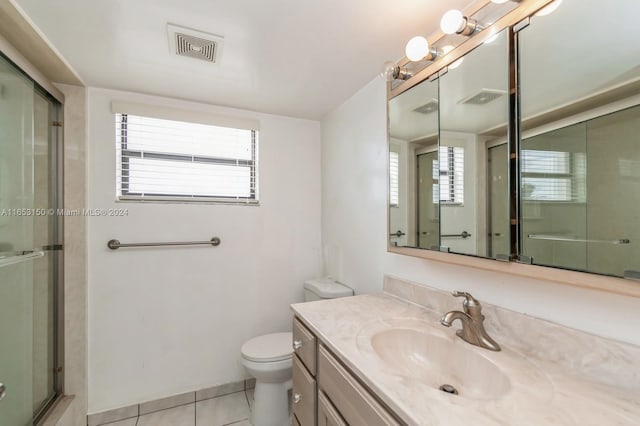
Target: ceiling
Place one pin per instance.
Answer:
(291, 57)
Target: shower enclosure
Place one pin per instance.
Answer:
(30, 247)
(580, 203)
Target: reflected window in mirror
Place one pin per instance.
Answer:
(394, 176)
(579, 151)
(451, 175)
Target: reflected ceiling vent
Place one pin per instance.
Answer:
(484, 96)
(195, 44)
(428, 108)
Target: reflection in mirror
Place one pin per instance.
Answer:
(474, 189)
(580, 155)
(413, 167)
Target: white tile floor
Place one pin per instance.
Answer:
(232, 409)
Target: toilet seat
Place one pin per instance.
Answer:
(268, 348)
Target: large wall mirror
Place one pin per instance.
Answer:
(570, 197)
(473, 154)
(580, 146)
(413, 161)
(448, 157)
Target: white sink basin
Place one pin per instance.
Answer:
(438, 361)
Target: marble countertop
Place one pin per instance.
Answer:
(540, 391)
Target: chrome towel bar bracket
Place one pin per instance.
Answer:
(115, 244)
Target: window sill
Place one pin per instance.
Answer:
(160, 200)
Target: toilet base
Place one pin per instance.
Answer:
(271, 404)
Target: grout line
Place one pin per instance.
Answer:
(168, 408)
(195, 413)
(235, 422)
(219, 396)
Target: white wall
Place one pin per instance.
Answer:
(354, 225)
(168, 320)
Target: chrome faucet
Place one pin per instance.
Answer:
(472, 330)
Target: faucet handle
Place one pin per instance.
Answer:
(470, 303)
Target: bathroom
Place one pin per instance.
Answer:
(93, 333)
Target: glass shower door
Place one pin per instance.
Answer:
(554, 197)
(16, 279)
(499, 243)
(428, 212)
(28, 232)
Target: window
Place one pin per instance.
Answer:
(160, 159)
(553, 175)
(448, 170)
(394, 197)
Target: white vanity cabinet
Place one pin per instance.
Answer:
(304, 371)
(328, 414)
(325, 393)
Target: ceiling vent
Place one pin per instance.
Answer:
(484, 96)
(428, 108)
(195, 44)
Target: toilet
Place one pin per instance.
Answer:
(268, 358)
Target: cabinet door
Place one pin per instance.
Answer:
(304, 394)
(356, 405)
(304, 345)
(327, 413)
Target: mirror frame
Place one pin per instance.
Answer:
(513, 21)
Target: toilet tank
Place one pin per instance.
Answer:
(325, 288)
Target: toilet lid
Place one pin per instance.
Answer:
(268, 348)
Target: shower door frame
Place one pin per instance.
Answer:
(56, 120)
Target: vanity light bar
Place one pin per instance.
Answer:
(453, 22)
(524, 10)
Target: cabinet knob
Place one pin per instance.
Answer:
(297, 398)
(3, 391)
(297, 344)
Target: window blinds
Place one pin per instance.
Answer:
(553, 175)
(160, 159)
(394, 173)
(450, 174)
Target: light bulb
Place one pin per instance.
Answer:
(452, 22)
(549, 9)
(417, 48)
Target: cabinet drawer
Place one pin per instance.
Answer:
(352, 400)
(327, 413)
(304, 394)
(304, 345)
